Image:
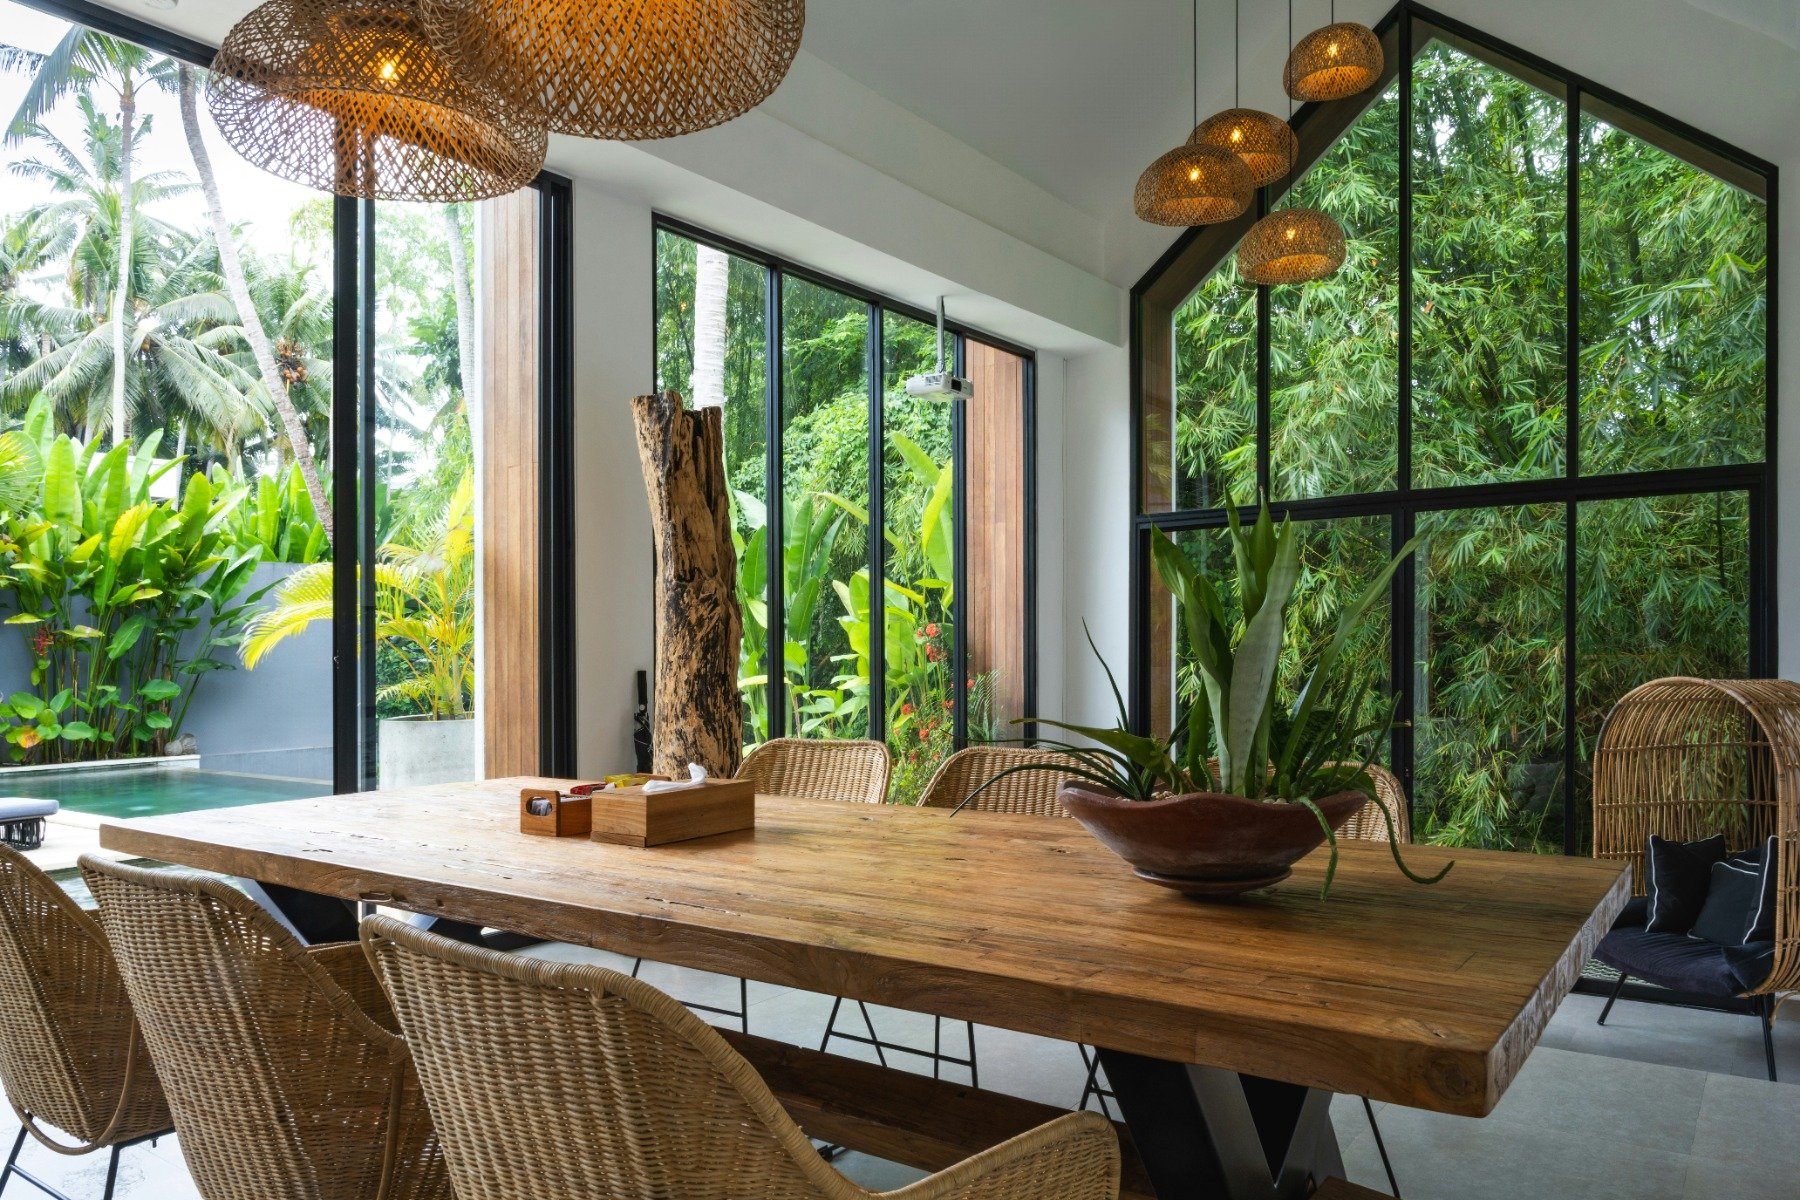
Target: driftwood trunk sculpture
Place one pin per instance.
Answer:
(698, 714)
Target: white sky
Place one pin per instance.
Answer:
(262, 204)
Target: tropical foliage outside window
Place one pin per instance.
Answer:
(165, 404)
(713, 345)
(1671, 371)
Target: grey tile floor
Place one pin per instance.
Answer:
(1660, 1104)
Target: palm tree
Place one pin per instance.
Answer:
(82, 60)
(268, 369)
(81, 224)
(27, 324)
(457, 243)
(424, 609)
(712, 276)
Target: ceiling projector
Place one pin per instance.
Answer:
(940, 384)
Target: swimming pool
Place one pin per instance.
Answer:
(151, 791)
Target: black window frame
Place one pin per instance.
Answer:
(775, 269)
(352, 441)
(1199, 251)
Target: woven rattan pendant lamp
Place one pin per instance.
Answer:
(1264, 141)
(1195, 183)
(351, 97)
(627, 69)
(1292, 245)
(1333, 63)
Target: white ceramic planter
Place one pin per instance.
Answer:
(422, 750)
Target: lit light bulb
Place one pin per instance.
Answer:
(1237, 133)
(388, 70)
(1193, 174)
(1332, 50)
(1288, 233)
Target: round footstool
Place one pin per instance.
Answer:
(22, 821)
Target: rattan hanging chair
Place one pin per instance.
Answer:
(1688, 758)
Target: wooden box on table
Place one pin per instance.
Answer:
(632, 817)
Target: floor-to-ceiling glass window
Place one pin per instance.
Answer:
(1547, 353)
(187, 346)
(166, 315)
(872, 605)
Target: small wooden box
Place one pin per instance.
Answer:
(569, 816)
(628, 817)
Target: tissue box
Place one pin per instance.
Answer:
(628, 817)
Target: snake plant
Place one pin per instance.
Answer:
(1239, 734)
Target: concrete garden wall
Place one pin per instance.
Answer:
(275, 720)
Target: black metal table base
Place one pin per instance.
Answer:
(1206, 1133)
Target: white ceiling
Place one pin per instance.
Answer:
(1076, 97)
(1036, 116)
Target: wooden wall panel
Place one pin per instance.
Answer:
(994, 436)
(506, 412)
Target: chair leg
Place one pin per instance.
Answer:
(1381, 1147)
(1617, 988)
(13, 1158)
(1766, 1010)
(112, 1173)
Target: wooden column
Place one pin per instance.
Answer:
(697, 715)
(994, 422)
(505, 412)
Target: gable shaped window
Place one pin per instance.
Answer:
(1549, 349)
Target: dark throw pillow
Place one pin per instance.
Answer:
(1680, 873)
(1730, 903)
(1761, 926)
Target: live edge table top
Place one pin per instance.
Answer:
(1425, 996)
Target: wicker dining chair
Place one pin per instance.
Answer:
(1032, 793)
(810, 769)
(1367, 824)
(71, 1056)
(580, 1083)
(284, 1073)
(820, 769)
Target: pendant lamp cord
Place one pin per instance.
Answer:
(1194, 44)
(1237, 65)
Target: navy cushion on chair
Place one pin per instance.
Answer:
(1731, 902)
(1750, 963)
(1672, 960)
(1761, 926)
(1679, 874)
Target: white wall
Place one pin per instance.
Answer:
(1096, 536)
(612, 351)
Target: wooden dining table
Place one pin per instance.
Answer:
(1224, 1027)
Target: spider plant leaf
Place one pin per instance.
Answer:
(1020, 769)
(1147, 753)
(1118, 696)
(1331, 838)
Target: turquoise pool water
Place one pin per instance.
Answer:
(151, 791)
